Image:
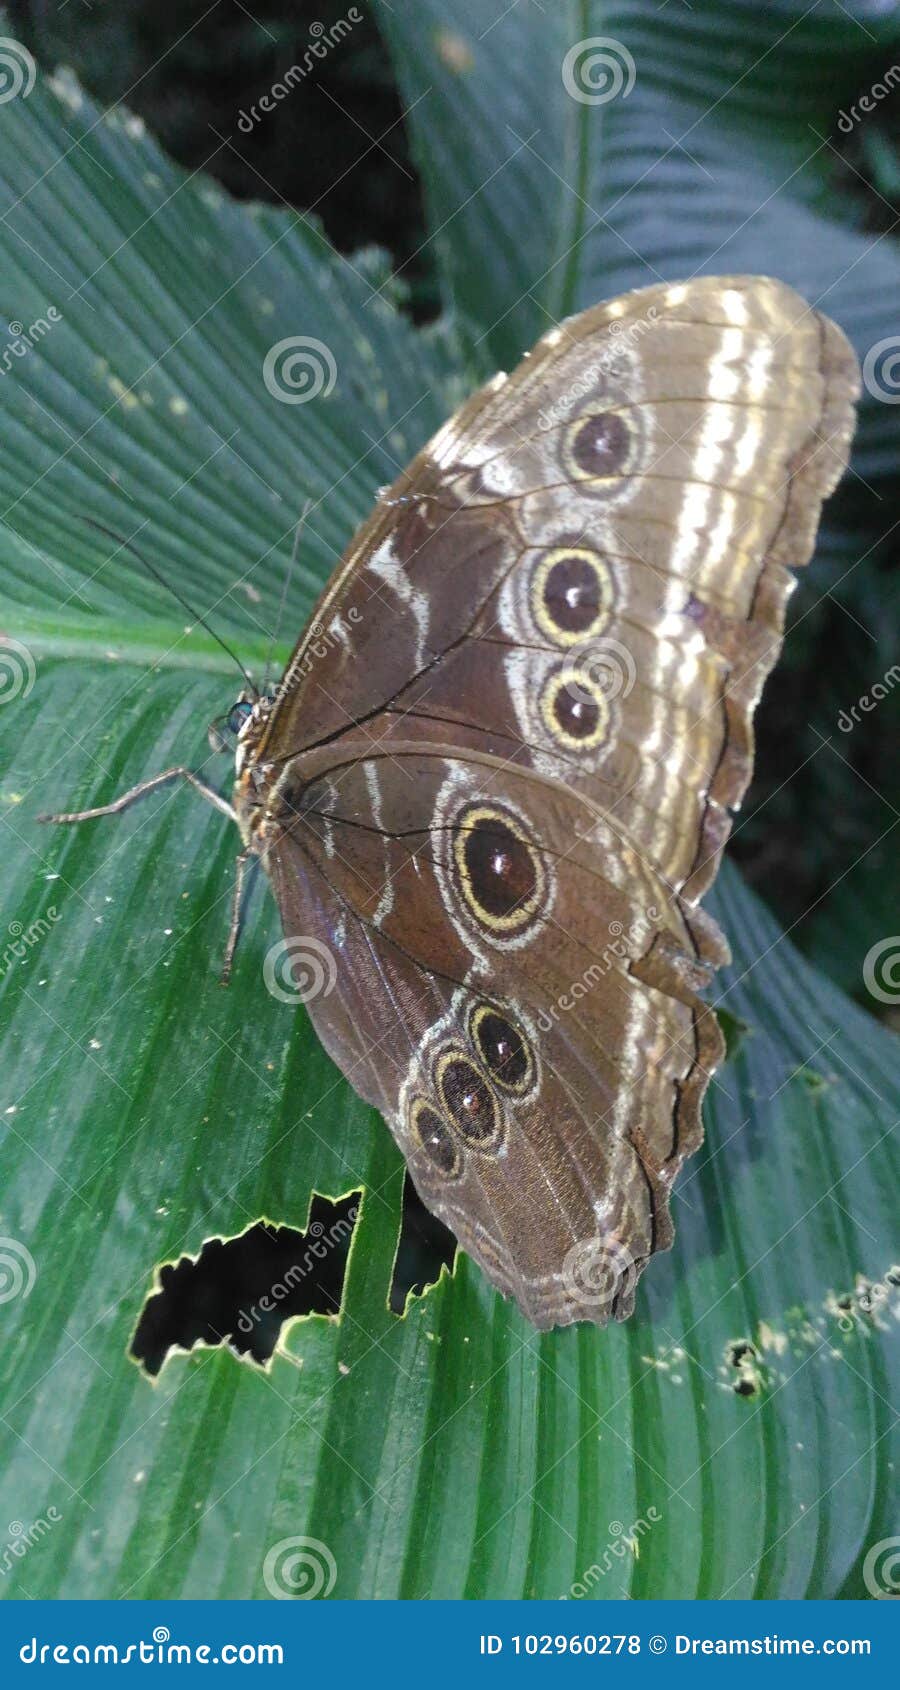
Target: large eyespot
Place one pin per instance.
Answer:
(503, 1048)
(469, 1100)
(572, 594)
(598, 447)
(433, 1136)
(498, 871)
(574, 708)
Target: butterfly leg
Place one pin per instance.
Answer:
(240, 870)
(128, 798)
(116, 807)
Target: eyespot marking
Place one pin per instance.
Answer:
(433, 1135)
(572, 594)
(469, 1099)
(503, 1048)
(599, 448)
(575, 709)
(498, 872)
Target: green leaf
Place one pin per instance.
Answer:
(453, 1452)
(144, 407)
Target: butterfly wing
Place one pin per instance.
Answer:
(541, 659)
(499, 572)
(539, 1050)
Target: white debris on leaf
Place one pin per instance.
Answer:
(64, 84)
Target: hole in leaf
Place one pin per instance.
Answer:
(424, 1247)
(240, 1291)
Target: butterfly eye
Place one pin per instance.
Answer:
(237, 716)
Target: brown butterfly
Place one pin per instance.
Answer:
(498, 787)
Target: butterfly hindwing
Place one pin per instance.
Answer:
(540, 1071)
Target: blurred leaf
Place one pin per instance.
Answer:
(860, 914)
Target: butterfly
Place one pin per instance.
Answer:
(499, 771)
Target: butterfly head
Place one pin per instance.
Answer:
(242, 728)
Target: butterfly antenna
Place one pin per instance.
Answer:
(192, 613)
(284, 591)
